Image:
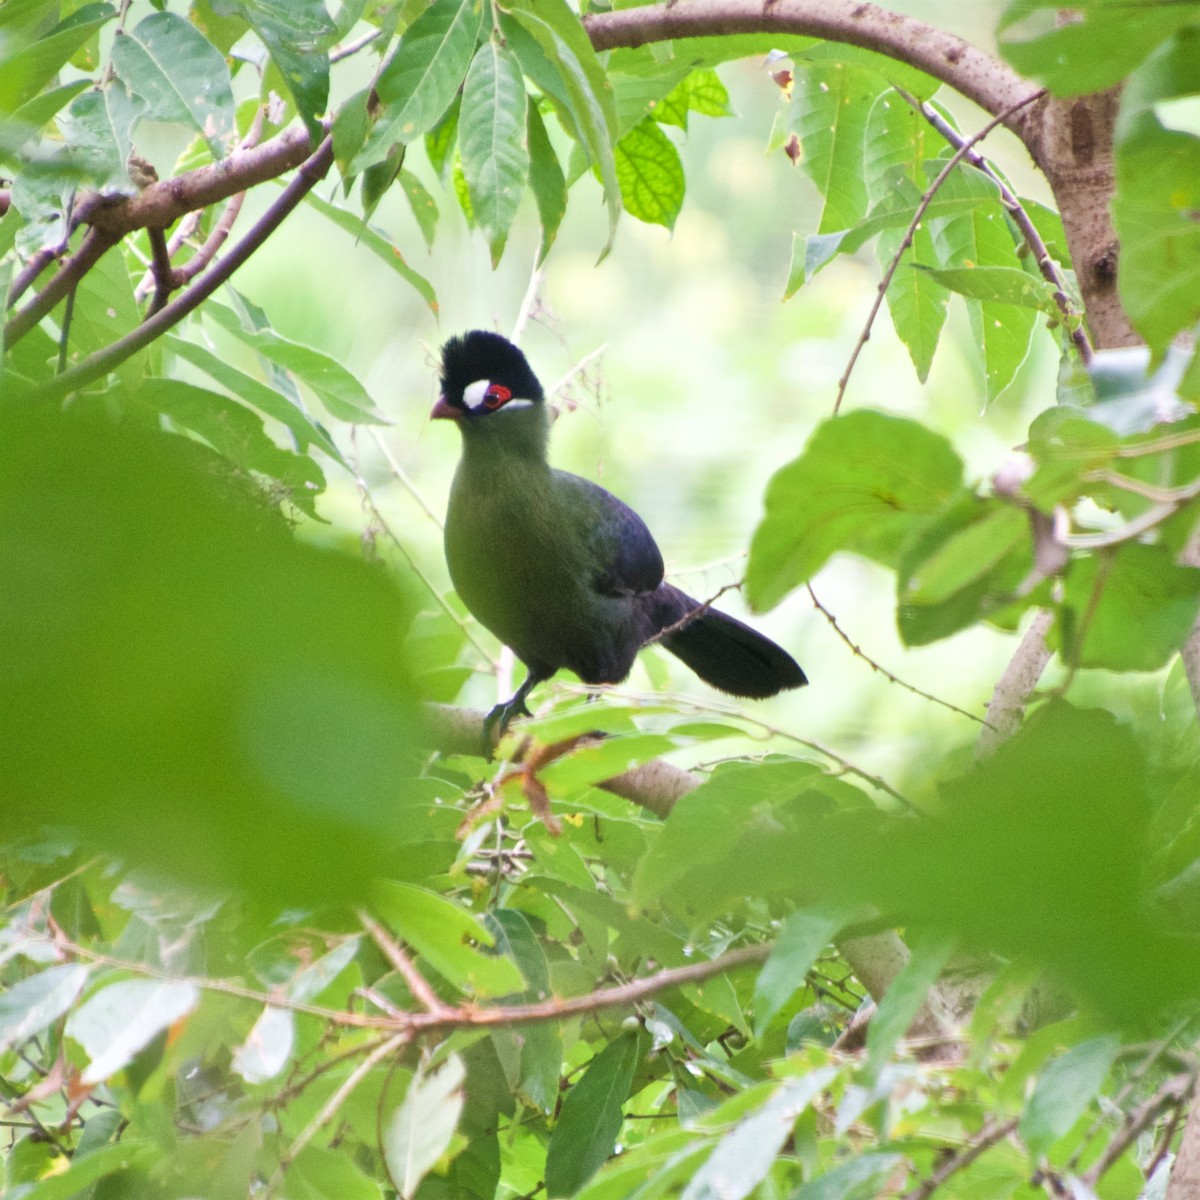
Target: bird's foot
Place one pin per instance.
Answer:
(496, 723)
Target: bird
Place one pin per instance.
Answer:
(558, 569)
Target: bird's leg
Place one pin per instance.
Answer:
(498, 720)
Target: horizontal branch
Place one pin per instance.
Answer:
(979, 76)
(162, 204)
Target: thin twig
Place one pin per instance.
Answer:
(338, 53)
(1046, 264)
(97, 365)
(37, 263)
(1174, 1092)
(985, 1139)
(95, 245)
(911, 232)
(401, 476)
(417, 984)
(333, 1105)
(691, 615)
(858, 653)
(1006, 709)
(163, 273)
(415, 567)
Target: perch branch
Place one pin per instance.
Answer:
(979, 76)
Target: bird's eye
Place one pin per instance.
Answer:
(496, 395)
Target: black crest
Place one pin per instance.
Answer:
(483, 355)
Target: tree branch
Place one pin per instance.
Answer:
(979, 76)
(1014, 688)
(95, 245)
(103, 361)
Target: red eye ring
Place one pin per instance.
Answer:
(496, 395)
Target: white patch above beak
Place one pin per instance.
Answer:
(474, 393)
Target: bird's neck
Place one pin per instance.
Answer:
(506, 442)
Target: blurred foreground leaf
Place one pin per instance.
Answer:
(185, 684)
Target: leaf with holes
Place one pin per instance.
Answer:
(181, 75)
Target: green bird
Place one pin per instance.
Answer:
(560, 570)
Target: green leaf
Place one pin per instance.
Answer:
(265, 726)
(24, 72)
(830, 106)
(419, 1131)
(126, 1156)
(98, 126)
(964, 554)
(319, 1173)
(423, 205)
(121, 1018)
(257, 394)
(701, 92)
(590, 1118)
(443, 934)
(268, 1046)
(1088, 55)
(745, 1154)
(495, 156)
(1002, 285)
(980, 240)
(1136, 588)
(419, 81)
(337, 388)
(862, 483)
(1158, 196)
(106, 309)
(650, 174)
(237, 433)
(546, 180)
(32, 1005)
(378, 243)
(181, 75)
(1064, 1090)
(861, 1178)
(916, 301)
(904, 997)
(443, 137)
(581, 83)
(801, 940)
(296, 33)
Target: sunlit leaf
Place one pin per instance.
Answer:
(862, 482)
(419, 1131)
(31, 1005)
(650, 174)
(118, 1020)
(546, 180)
(24, 71)
(492, 143)
(803, 937)
(423, 76)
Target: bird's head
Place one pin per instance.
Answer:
(484, 376)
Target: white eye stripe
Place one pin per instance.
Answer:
(474, 393)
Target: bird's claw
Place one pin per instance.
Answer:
(496, 723)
